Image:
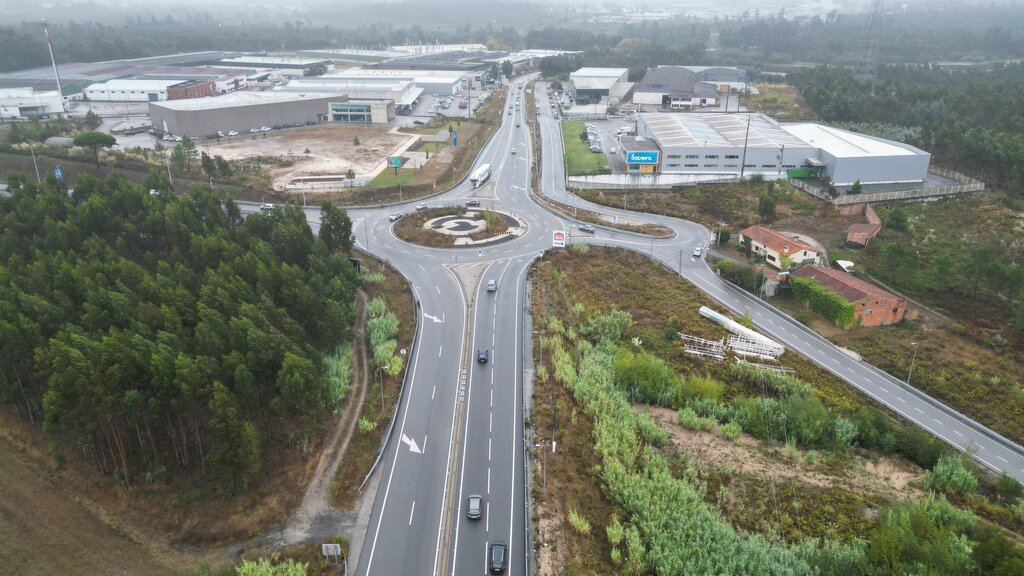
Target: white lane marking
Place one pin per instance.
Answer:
(918, 409)
(937, 421)
(901, 399)
(438, 288)
(1003, 459)
(492, 397)
(488, 449)
(421, 267)
(411, 512)
(439, 350)
(488, 480)
(433, 391)
(880, 388)
(957, 432)
(490, 422)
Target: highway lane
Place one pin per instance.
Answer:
(989, 448)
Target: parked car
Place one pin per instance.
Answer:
(168, 138)
(421, 206)
(418, 122)
(496, 559)
(232, 133)
(483, 355)
(253, 130)
(474, 507)
(396, 216)
(266, 206)
(586, 228)
(220, 134)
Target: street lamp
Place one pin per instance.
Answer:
(912, 358)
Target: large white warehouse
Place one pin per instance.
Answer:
(747, 144)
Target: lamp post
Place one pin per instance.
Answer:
(912, 359)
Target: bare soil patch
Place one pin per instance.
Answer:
(332, 150)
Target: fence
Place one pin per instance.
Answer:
(966, 185)
(642, 181)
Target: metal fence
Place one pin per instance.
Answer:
(966, 185)
(642, 181)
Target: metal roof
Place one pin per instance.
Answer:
(719, 130)
(235, 99)
(845, 144)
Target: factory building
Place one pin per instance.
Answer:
(686, 87)
(242, 111)
(436, 82)
(282, 65)
(402, 93)
(19, 103)
(129, 90)
(747, 144)
(590, 85)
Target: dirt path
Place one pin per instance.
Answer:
(314, 503)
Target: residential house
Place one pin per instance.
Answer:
(773, 246)
(874, 306)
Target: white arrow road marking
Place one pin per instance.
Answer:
(412, 444)
(435, 318)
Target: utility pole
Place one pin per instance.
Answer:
(56, 75)
(743, 162)
(912, 358)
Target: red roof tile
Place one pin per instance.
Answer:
(846, 285)
(775, 241)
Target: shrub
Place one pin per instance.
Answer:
(1008, 488)
(951, 476)
(579, 523)
(807, 418)
(845, 432)
(702, 387)
(918, 446)
(645, 378)
(731, 430)
(366, 425)
(689, 420)
(872, 426)
(825, 302)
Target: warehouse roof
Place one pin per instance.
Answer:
(720, 130)
(236, 99)
(845, 144)
(419, 76)
(596, 78)
(133, 84)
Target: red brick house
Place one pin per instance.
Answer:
(874, 306)
(773, 246)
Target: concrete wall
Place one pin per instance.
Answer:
(869, 169)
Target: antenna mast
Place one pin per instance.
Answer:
(873, 30)
(49, 45)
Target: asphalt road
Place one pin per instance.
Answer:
(459, 429)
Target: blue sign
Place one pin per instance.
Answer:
(645, 157)
(455, 138)
(58, 173)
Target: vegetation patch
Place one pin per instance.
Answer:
(579, 160)
(780, 101)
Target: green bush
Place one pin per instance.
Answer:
(825, 302)
(845, 431)
(689, 420)
(645, 378)
(578, 522)
(731, 430)
(1008, 488)
(951, 476)
(702, 387)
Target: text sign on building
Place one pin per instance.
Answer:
(645, 157)
(558, 239)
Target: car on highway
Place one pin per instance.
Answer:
(232, 133)
(587, 228)
(492, 285)
(266, 206)
(220, 134)
(421, 206)
(474, 507)
(698, 251)
(264, 128)
(253, 130)
(513, 150)
(396, 216)
(612, 150)
(472, 203)
(496, 559)
(483, 355)
(517, 124)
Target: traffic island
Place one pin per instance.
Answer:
(459, 227)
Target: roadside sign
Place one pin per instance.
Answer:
(615, 219)
(558, 239)
(58, 173)
(394, 161)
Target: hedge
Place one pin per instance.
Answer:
(825, 302)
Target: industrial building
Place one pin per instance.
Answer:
(19, 103)
(590, 85)
(747, 144)
(685, 87)
(403, 93)
(129, 90)
(437, 82)
(242, 111)
(285, 65)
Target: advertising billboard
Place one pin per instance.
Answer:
(558, 239)
(645, 157)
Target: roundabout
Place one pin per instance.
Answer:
(459, 227)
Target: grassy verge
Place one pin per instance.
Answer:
(579, 160)
(385, 282)
(411, 227)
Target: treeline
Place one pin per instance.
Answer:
(157, 334)
(969, 121)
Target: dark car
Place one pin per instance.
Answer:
(474, 507)
(482, 355)
(496, 560)
(472, 203)
(586, 228)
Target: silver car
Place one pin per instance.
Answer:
(474, 507)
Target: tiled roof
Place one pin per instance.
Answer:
(846, 285)
(775, 241)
